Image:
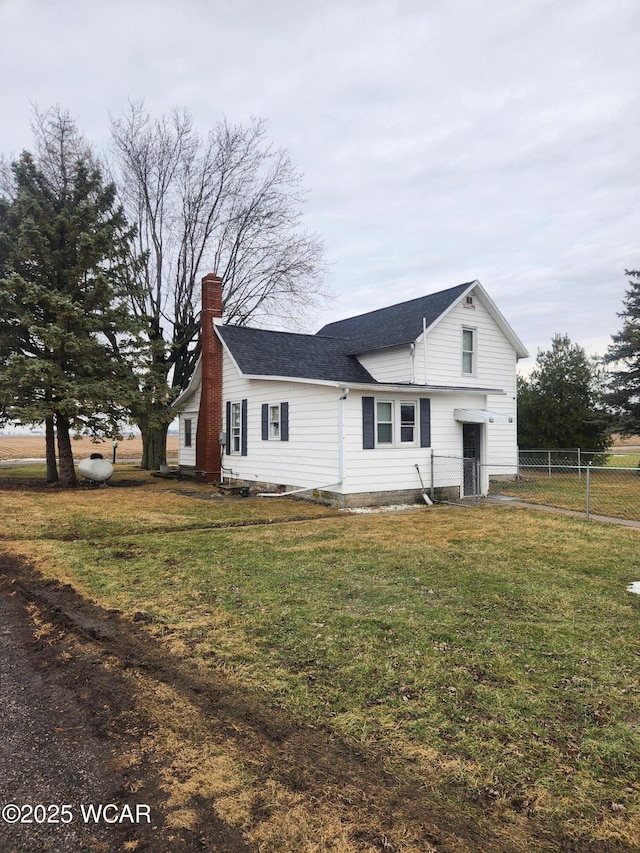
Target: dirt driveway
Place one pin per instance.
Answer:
(73, 778)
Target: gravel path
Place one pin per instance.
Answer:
(49, 757)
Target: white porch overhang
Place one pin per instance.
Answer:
(481, 416)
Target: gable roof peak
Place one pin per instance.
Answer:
(397, 324)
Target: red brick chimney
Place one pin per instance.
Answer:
(208, 450)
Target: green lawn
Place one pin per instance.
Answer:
(490, 654)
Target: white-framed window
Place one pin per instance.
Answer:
(408, 423)
(235, 428)
(468, 351)
(274, 422)
(384, 422)
(395, 422)
(187, 431)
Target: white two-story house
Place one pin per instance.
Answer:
(360, 412)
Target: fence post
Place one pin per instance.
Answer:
(432, 476)
(549, 461)
(588, 507)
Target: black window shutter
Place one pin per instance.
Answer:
(284, 422)
(368, 423)
(425, 422)
(228, 447)
(243, 440)
(265, 421)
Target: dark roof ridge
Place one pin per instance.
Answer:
(397, 324)
(405, 302)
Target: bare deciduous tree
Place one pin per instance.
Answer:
(228, 203)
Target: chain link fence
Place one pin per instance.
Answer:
(547, 478)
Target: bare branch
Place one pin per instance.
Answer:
(229, 202)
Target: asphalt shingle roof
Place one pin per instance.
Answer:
(330, 355)
(260, 352)
(395, 325)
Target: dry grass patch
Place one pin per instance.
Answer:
(486, 656)
(133, 503)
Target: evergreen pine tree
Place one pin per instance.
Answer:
(65, 329)
(559, 404)
(624, 352)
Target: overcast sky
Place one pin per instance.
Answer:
(441, 140)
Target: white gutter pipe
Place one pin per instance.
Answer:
(296, 491)
(424, 345)
(341, 400)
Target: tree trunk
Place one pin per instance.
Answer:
(65, 453)
(154, 446)
(50, 439)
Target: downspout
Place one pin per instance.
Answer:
(323, 487)
(424, 345)
(341, 401)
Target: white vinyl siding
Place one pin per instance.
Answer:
(187, 452)
(310, 456)
(393, 364)
(495, 367)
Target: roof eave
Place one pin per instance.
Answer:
(382, 386)
(195, 380)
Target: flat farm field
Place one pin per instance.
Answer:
(33, 447)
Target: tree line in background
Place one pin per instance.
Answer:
(572, 400)
(101, 259)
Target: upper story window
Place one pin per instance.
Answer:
(468, 351)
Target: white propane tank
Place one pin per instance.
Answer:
(97, 470)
